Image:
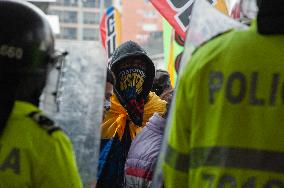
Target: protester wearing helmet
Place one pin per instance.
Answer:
(161, 82)
(131, 106)
(33, 151)
(226, 123)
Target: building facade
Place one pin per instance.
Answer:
(79, 19)
(140, 21)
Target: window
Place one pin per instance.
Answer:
(90, 34)
(91, 18)
(150, 14)
(149, 27)
(69, 17)
(156, 35)
(141, 37)
(68, 33)
(67, 2)
(91, 3)
(108, 3)
(66, 16)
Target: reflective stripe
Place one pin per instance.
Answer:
(177, 160)
(226, 157)
(139, 172)
(238, 158)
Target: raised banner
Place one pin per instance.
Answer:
(173, 48)
(110, 29)
(178, 12)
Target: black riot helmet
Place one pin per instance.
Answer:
(270, 17)
(26, 53)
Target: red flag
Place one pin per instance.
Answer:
(103, 30)
(110, 29)
(178, 12)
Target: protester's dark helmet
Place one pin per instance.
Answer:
(161, 82)
(131, 49)
(127, 49)
(26, 48)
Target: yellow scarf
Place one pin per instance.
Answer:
(115, 119)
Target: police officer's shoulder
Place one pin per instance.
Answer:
(216, 37)
(203, 54)
(44, 122)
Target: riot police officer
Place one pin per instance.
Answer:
(33, 151)
(226, 125)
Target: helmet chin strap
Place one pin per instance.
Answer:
(7, 100)
(31, 94)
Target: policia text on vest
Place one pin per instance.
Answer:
(244, 87)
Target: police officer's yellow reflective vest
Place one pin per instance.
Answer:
(227, 125)
(34, 154)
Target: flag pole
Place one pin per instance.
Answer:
(102, 7)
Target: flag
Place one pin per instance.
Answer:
(173, 48)
(171, 60)
(178, 12)
(110, 30)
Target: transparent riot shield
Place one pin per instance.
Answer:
(206, 23)
(74, 99)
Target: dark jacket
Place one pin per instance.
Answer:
(115, 145)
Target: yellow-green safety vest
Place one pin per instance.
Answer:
(34, 155)
(226, 127)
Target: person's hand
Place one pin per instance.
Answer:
(167, 95)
